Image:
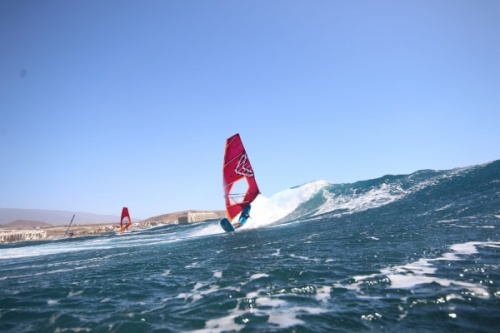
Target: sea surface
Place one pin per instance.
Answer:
(401, 253)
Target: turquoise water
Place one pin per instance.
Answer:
(409, 253)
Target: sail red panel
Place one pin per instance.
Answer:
(237, 168)
(125, 221)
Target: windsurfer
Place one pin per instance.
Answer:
(244, 216)
(237, 170)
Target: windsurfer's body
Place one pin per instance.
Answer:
(125, 221)
(237, 174)
(244, 216)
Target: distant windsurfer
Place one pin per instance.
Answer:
(244, 216)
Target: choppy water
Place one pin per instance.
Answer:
(411, 253)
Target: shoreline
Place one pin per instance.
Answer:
(22, 234)
(34, 231)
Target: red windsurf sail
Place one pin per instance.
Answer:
(240, 186)
(125, 221)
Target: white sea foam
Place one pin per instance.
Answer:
(466, 248)
(197, 286)
(98, 243)
(76, 293)
(265, 210)
(72, 329)
(32, 251)
(379, 196)
(281, 316)
(199, 290)
(305, 258)
(205, 230)
(270, 302)
(376, 197)
(422, 271)
(448, 221)
(371, 316)
(224, 324)
(444, 207)
(193, 265)
(268, 210)
(258, 276)
(284, 319)
(258, 303)
(323, 293)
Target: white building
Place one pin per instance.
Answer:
(196, 217)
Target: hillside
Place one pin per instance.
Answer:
(25, 224)
(54, 217)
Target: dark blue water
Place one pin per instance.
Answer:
(410, 253)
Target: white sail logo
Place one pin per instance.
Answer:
(243, 167)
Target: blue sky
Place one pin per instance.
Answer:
(105, 104)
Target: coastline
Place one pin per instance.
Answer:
(21, 234)
(26, 230)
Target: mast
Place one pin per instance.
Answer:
(69, 225)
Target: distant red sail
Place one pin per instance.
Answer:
(237, 170)
(125, 221)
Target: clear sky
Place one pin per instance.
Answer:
(114, 103)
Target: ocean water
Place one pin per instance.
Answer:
(405, 253)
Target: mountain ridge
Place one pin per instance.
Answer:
(53, 217)
(25, 224)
